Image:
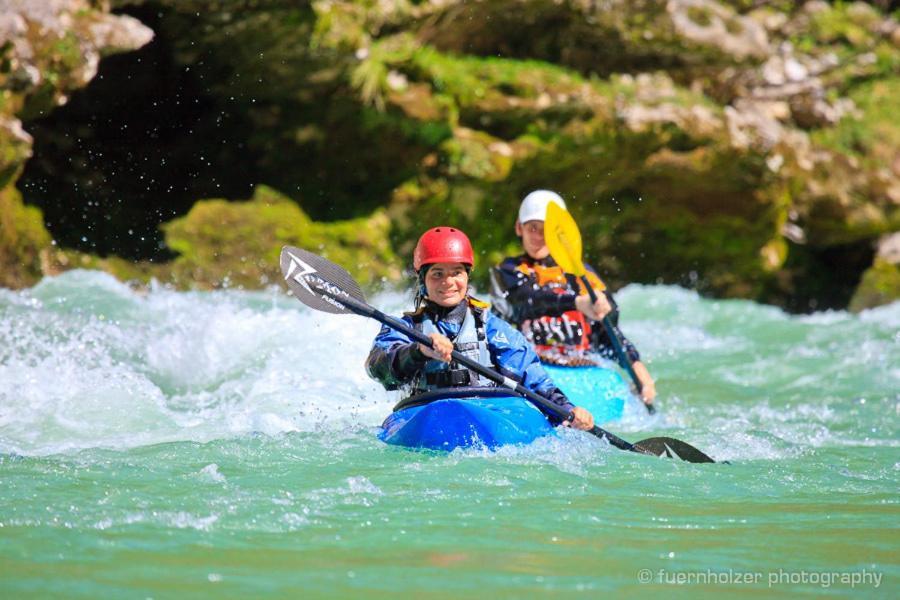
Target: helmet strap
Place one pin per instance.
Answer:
(421, 290)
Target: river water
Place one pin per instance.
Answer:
(162, 444)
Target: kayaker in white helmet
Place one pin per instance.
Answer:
(550, 307)
(455, 320)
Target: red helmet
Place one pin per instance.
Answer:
(442, 244)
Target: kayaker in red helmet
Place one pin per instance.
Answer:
(550, 307)
(454, 320)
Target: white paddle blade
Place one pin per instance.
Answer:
(317, 282)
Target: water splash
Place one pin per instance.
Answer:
(87, 362)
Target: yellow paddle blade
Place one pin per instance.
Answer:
(563, 239)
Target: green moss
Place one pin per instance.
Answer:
(837, 24)
(470, 79)
(22, 239)
(873, 135)
(370, 76)
(849, 31)
(224, 243)
(880, 285)
(476, 155)
(639, 205)
(424, 133)
(720, 254)
(699, 15)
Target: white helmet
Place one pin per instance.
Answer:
(534, 206)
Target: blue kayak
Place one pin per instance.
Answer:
(601, 391)
(464, 418)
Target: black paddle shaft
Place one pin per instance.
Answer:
(613, 335)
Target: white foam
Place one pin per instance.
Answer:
(86, 362)
(174, 366)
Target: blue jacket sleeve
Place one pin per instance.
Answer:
(514, 358)
(394, 358)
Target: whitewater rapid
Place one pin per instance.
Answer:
(89, 362)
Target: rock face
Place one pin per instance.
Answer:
(223, 244)
(49, 48)
(22, 240)
(745, 152)
(881, 282)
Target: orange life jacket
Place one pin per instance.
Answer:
(559, 339)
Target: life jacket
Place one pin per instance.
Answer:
(471, 342)
(566, 338)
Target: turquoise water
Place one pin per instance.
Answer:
(601, 390)
(223, 444)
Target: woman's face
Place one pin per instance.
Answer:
(532, 234)
(447, 283)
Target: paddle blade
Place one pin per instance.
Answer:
(563, 239)
(317, 282)
(672, 448)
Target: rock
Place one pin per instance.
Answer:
(15, 149)
(223, 243)
(698, 121)
(794, 71)
(771, 20)
(477, 155)
(773, 71)
(50, 48)
(880, 285)
(815, 7)
(810, 111)
(889, 248)
(682, 169)
(864, 14)
(22, 238)
(64, 38)
(752, 127)
(711, 23)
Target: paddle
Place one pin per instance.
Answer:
(323, 285)
(564, 241)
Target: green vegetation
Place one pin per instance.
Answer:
(873, 134)
(22, 239)
(727, 162)
(880, 285)
(237, 244)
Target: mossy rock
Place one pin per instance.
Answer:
(477, 155)
(27, 251)
(627, 189)
(591, 37)
(720, 254)
(14, 151)
(237, 244)
(880, 285)
(23, 238)
(141, 273)
(873, 134)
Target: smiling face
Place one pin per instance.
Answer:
(532, 234)
(447, 283)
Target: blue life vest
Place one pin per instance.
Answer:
(471, 342)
